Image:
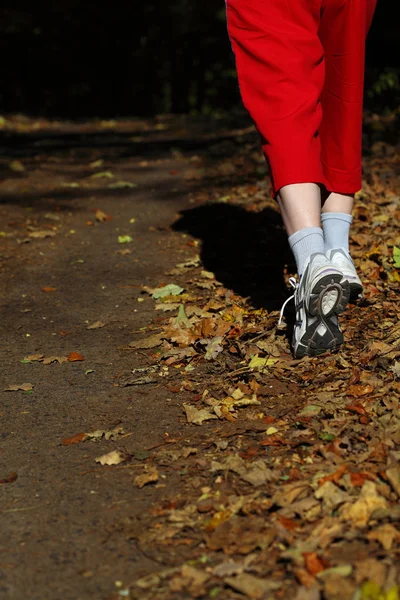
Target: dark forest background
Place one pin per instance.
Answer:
(74, 59)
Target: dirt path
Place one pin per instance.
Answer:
(233, 471)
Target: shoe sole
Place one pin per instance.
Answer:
(329, 297)
(356, 291)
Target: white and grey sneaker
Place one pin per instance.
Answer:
(341, 259)
(320, 296)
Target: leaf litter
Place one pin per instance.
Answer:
(296, 464)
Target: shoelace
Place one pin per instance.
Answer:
(295, 284)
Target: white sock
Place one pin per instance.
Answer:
(336, 228)
(304, 243)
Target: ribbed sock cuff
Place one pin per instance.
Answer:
(304, 243)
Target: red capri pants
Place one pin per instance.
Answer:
(300, 66)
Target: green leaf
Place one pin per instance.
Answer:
(327, 437)
(102, 175)
(124, 239)
(396, 257)
(181, 318)
(168, 290)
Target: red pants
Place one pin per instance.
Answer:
(300, 66)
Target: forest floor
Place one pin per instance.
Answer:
(158, 441)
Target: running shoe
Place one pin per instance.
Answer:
(341, 259)
(321, 294)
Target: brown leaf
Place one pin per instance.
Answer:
(34, 357)
(149, 342)
(51, 359)
(313, 563)
(360, 512)
(79, 437)
(393, 475)
(115, 457)
(150, 476)
(41, 234)
(25, 387)
(385, 534)
(96, 325)
(288, 524)
(197, 416)
(75, 356)
(336, 476)
(253, 587)
(359, 390)
(48, 290)
(10, 479)
(101, 216)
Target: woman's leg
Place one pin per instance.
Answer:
(343, 31)
(279, 59)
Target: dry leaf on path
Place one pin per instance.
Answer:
(393, 475)
(150, 476)
(167, 290)
(360, 512)
(149, 342)
(51, 359)
(40, 235)
(75, 356)
(253, 587)
(101, 216)
(98, 434)
(10, 479)
(25, 387)
(385, 534)
(115, 457)
(197, 416)
(256, 472)
(75, 439)
(96, 325)
(34, 357)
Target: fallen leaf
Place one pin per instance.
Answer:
(17, 166)
(48, 290)
(96, 163)
(101, 216)
(75, 356)
(75, 439)
(393, 475)
(396, 257)
(124, 239)
(385, 534)
(42, 234)
(197, 416)
(96, 325)
(313, 563)
(120, 185)
(251, 586)
(51, 359)
(150, 476)
(361, 510)
(213, 348)
(102, 175)
(336, 476)
(151, 341)
(167, 290)
(115, 457)
(34, 357)
(10, 479)
(25, 387)
(256, 473)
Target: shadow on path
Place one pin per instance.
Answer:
(247, 251)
